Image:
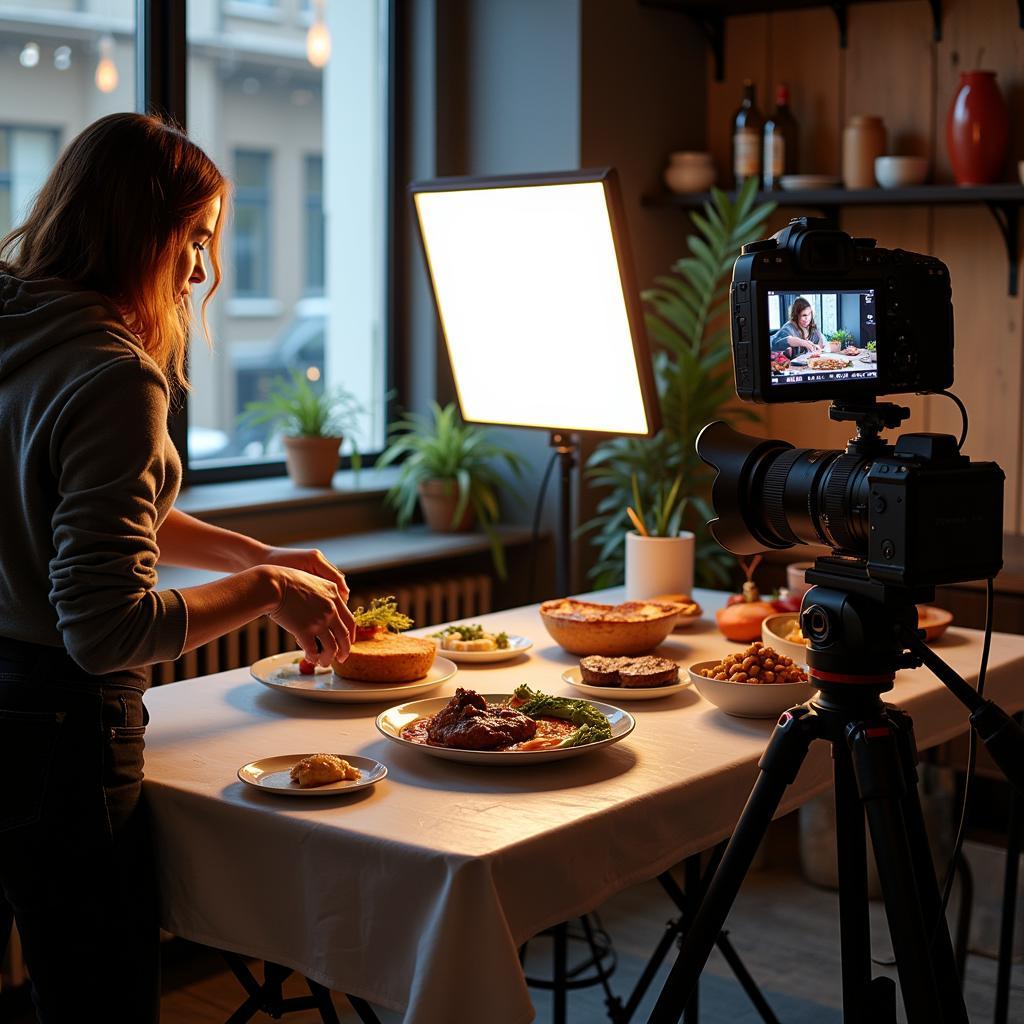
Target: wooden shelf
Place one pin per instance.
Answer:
(711, 15)
(1003, 201)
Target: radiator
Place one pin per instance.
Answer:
(426, 602)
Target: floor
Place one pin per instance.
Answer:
(785, 930)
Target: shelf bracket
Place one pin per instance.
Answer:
(839, 6)
(1009, 227)
(714, 29)
(936, 6)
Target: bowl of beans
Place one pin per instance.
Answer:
(757, 682)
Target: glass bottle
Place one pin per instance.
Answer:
(746, 137)
(780, 141)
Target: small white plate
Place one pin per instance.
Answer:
(391, 723)
(516, 645)
(281, 672)
(274, 775)
(799, 182)
(574, 678)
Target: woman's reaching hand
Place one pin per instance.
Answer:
(313, 610)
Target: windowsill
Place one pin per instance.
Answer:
(253, 308)
(278, 492)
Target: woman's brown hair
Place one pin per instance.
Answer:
(114, 215)
(799, 305)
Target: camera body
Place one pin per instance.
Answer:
(881, 319)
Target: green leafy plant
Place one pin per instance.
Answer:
(842, 336)
(296, 409)
(688, 324)
(871, 346)
(440, 446)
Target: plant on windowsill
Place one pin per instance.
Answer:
(313, 424)
(451, 469)
(687, 317)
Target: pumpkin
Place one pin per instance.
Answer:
(743, 614)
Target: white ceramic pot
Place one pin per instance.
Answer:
(900, 171)
(689, 171)
(658, 565)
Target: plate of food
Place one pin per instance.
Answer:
(312, 774)
(470, 642)
(290, 674)
(646, 678)
(828, 363)
(633, 627)
(524, 727)
(690, 612)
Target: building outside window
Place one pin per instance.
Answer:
(304, 248)
(252, 249)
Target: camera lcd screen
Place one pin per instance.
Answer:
(821, 337)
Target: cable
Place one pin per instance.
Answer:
(972, 753)
(963, 415)
(535, 536)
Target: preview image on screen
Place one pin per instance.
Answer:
(822, 336)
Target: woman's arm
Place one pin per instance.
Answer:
(189, 542)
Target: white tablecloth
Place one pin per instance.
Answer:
(417, 892)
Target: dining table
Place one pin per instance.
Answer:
(416, 893)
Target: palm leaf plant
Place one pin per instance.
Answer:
(687, 318)
(441, 447)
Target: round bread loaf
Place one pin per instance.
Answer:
(388, 658)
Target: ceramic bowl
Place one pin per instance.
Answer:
(749, 700)
(900, 171)
(774, 630)
(934, 621)
(689, 177)
(635, 627)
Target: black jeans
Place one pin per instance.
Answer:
(76, 859)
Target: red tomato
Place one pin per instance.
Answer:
(735, 599)
(307, 668)
(786, 604)
(368, 632)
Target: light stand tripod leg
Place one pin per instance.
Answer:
(782, 758)
(875, 753)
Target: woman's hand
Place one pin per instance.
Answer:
(308, 560)
(313, 610)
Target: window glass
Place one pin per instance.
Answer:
(303, 250)
(62, 66)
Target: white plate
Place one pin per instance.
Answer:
(394, 720)
(273, 774)
(516, 645)
(281, 672)
(799, 182)
(574, 678)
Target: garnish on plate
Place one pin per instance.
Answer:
(470, 638)
(382, 616)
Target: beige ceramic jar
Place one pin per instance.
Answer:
(863, 141)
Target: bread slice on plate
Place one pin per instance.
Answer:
(388, 658)
(600, 671)
(635, 673)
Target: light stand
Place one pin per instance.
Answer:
(532, 278)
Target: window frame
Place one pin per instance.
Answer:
(260, 198)
(313, 204)
(162, 56)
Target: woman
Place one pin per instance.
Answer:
(95, 305)
(799, 334)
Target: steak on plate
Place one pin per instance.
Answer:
(467, 722)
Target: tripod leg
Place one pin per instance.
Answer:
(851, 863)
(779, 765)
(928, 997)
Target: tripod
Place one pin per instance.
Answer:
(865, 629)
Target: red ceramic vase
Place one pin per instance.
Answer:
(977, 129)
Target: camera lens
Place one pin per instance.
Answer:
(768, 494)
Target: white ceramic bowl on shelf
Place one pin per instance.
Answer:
(901, 171)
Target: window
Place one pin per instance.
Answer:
(26, 156)
(252, 224)
(314, 213)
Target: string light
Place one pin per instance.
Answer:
(318, 39)
(106, 69)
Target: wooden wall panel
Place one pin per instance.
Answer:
(890, 72)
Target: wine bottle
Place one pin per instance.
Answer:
(780, 141)
(746, 137)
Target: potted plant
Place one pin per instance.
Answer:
(451, 469)
(313, 424)
(687, 319)
(659, 555)
(839, 339)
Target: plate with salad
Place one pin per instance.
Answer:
(470, 642)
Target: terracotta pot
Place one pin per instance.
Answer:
(312, 461)
(977, 129)
(438, 499)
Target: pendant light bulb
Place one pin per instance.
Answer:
(106, 69)
(318, 39)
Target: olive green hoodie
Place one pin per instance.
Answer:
(87, 474)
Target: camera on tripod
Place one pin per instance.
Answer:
(857, 322)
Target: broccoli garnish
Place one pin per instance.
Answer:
(593, 726)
